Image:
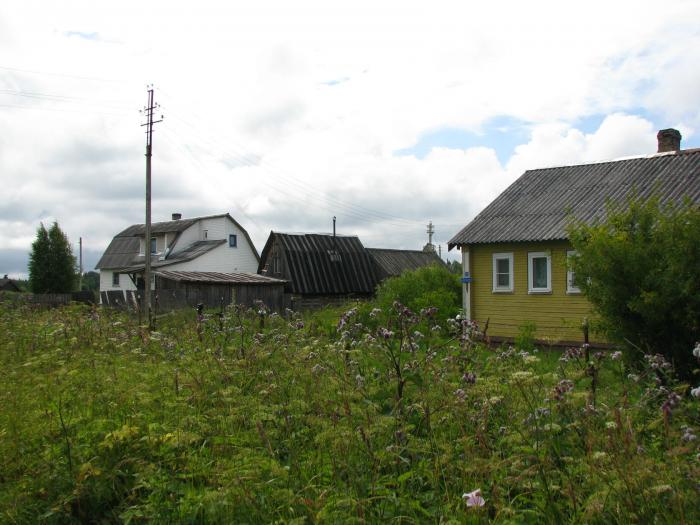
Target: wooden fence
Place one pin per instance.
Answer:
(49, 299)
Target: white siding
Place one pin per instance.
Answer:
(221, 259)
(125, 282)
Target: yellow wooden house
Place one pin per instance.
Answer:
(514, 253)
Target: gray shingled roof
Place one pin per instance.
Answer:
(218, 277)
(193, 251)
(390, 263)
(123, 251)
(537, 206)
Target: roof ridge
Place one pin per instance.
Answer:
(688, 151)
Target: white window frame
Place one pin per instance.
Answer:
(539, 255)
(570, 288)
(494, 266)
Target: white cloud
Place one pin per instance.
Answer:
(253, 127)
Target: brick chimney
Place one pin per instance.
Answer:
(178, 216)
(669, 140)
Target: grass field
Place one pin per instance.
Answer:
(359, 416)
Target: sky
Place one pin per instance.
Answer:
(384, 114)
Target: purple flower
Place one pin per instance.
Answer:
(386, 334)
(469, 378)
(474, 499)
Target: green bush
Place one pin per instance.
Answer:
(423, 288)
(640, 269)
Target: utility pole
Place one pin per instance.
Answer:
(80, 280)
(149, 110)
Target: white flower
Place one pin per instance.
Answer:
(696, 350)
(473, 499)
(695, 392)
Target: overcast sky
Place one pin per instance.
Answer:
(284, 114)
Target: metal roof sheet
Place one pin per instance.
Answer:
(390, 263)
(320, 264)
(539, 205)
(218, 277)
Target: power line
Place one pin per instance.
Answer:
(63, 75)
(357, 211)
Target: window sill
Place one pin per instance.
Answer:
(502, 291)
(574, 292)
(539, 292)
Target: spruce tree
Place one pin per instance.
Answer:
(51, 263)
(39, 262)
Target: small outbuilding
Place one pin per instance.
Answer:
(8, 285)
(216, 289)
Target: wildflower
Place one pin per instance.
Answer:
(633, 377)
(359, 381)
(611, 425)
(299, 325)
(695, 392)
(469, 378)
(696, 350)
(317, 369)
(460, 394)
(385, 334)
(474, 498)
(616, 356)
(374, 313)
(688, 435)
(672, 401)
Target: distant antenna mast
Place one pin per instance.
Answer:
(149, 110)
(430, 247)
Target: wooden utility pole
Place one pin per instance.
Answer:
(80, 280)
(149, 110)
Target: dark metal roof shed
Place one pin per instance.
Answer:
(321, 264)
(390, 263)
(538, 206)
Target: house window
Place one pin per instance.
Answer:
(502, 272)
(206, 234)
(115, 279)
(276, 265)
(154, 245)
(539, 272)
(571, 283)
(232, 241)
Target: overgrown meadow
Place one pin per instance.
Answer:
(357, 415)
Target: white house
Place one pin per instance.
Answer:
(216, 243)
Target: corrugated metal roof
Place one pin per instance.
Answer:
(218, 277)
(538, 206)
(313, 267)
(390, 263)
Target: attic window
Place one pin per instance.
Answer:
(232, 241)
(334, 255)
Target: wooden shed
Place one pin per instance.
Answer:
(176, 289)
